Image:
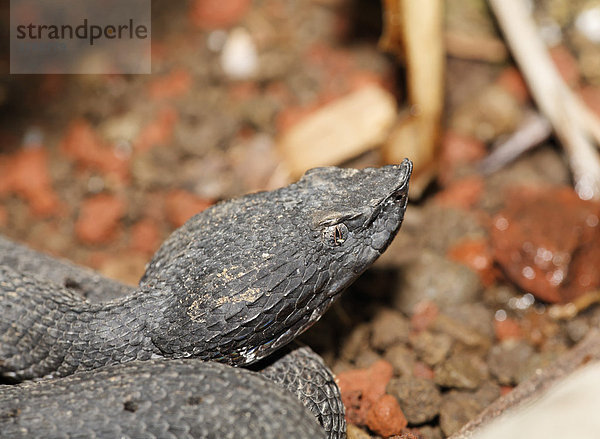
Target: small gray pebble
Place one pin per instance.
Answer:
(457, 409)
(401, 358)
(430, 347)
(506, 360)
(419, 398)
(389, 327)
(463, 371)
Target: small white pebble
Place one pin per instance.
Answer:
(239, 59)
(500, 315)
(588, 23)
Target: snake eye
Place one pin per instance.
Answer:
(335, 235)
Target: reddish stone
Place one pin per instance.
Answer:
(385, 417)
(243, 91)
(157, 132)
(566, 64)
(362, 388)
(477, 255)
(25, 173)
(290, 116)
(3, 216)
(334, 61)
(546, 241)
(424, 314)
(84, 146)
(505, 390)
(507, 329)
(591, 97)
(363, 78)
(173, 85)
(99, 217)
(145, 236)
(181, 205)
(512, 81)
(213, 14)
(421, 370)
(456, 150)
(463, 194)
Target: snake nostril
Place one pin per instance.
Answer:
(130, 406)
(194, 400)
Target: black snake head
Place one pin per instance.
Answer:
(357, 213)
(247, 275)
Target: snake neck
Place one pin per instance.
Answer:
(48, 331)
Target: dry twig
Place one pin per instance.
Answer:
(534, 130)
(413, 31)
(573, 123)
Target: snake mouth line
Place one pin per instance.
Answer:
(402, 190)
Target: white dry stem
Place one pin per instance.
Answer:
(573, 123)
(534, 129)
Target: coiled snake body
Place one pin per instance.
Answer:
(234, 284)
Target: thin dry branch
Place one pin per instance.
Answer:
(534, 130)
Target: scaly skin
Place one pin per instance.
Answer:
(83, 281)
(304, 373)
(155, 399)
(296, 369)
(233, 284)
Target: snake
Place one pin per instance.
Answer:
(231, 287)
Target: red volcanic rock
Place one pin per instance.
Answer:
(512, 81)
(463, 194)
(175, 84)
(385, 417)
(181, 205)
(98, 220)
(362, 388)
(546, 241)
(159, 131)
(591, 96)
(456, 150)
(507, 329)
(477, 255)
(83, 145)
(566, 64)
(212, 14)
(421, 370)
(25, 173)
(145, 236)
(425, 313)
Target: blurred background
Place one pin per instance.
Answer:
(494, 273)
